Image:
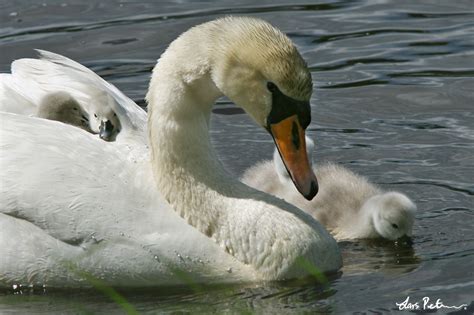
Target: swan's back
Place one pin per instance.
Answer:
(103, 217)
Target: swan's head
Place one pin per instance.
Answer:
(259, 68)
(280, 166)
(103, 119)
(61, 106)
(393, 214)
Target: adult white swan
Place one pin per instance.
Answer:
(72, 204)
(33, 83)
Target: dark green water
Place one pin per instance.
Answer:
(393, 100)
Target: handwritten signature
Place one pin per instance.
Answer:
(426, 304)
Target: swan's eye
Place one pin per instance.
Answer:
(95, 115)
(394, 226)
(271, 87)
(115, 115)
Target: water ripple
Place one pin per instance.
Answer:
(434, 73)
(341, 64)
(465, 188)
(149, 18)
(445, 125)
(359, 83)
(408, 123)
(420, 15)
(319, 38)
(119, 68)
(453, 254)
(445, 212)
(341, 130)
(363, 33)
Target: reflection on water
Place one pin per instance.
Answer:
(394, 87)
(387, 257)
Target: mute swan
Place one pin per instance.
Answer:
(31, 80)
(176, 216)
(347, 204)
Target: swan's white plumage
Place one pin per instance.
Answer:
(31, 80)
(11, 100)
(347, 204)
(95, 225)
(136, 222)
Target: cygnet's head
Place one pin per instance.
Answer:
(259, 68)
(393, 214)
(104, 120)
(280, 167)
(61, 106)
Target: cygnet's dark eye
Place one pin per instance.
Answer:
(271, 87)
(95, 115)
(74, 108)
(394, 226)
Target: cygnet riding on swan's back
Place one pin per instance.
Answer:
(24, 92)
(347, 204)
(61, 106)
(178, 211)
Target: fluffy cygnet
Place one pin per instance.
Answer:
(102, 118)
(63, 107)
(347, 204)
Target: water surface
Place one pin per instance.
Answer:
(393, 100)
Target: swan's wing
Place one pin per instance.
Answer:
(13, 99)
(22, 90)
(128, 111)
(53, 72)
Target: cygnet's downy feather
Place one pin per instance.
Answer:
(347, 204)
(62, 107)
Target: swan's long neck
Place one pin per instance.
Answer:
(186, 168)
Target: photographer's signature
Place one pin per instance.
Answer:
(427, 304)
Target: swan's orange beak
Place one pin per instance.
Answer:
(289, 138)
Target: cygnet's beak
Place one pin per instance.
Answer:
(289, 138)
(405, 240)
(106, 130)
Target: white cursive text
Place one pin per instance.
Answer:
(426, 304)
